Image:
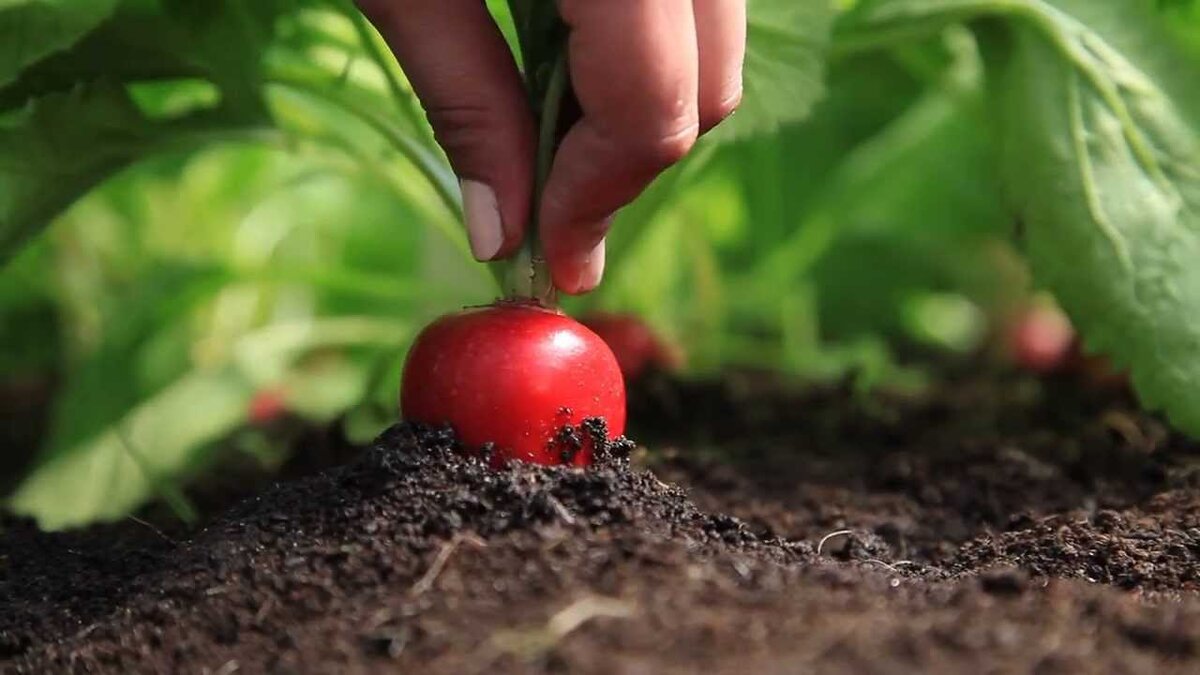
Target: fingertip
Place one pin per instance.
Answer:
(721, 42)
(712, 115)
(578, 271)
(481, 214)
(490, 234)
(513, 237)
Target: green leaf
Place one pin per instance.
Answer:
(113, 473)
(227, 39)
(60, 146)
(105, 386)
(784, 70)
(1106, 174)
(31, 30)
(103, 468)
(33, 334)
(57, 149)
(134, 44)
(1100, 157)
(220, 41)
(266, 355)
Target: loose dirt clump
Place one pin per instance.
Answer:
(770, 530)
(1155, 546)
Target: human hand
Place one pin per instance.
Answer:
(649, 75)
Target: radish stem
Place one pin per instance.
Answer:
(529, 276)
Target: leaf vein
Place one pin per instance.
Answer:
(1087, 177)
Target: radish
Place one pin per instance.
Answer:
(1041, 340)
(266, 406)
(636, 346)
(512, 375)
(519, 377)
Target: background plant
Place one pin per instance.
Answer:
(204, 201)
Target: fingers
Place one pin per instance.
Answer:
(650, 75)
(462, 70)
(721, 43)
(634, 71)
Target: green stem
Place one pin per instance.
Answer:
(529, 276)
(167, 490)
(547, 133)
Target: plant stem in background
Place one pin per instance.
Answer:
(424, 160)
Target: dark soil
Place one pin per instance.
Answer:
(995, 525)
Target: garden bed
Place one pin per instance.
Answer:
(991, 522)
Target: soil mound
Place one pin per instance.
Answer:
(934, 534)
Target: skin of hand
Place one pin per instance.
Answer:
(650, 77)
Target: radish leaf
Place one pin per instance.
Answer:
(116, 471)
(31, 30)
(71, 123)
(1105, 171)
(59, 147)
(1100, 158)
(784, 70)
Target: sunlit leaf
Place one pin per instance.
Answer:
(113, 473)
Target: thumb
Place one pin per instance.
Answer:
(462, 70)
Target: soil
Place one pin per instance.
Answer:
(993, 523)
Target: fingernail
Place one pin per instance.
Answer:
(589, 269)
(485, 229)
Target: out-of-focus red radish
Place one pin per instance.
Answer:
(1041, 340)
(512, 375)
(266, 406)
(637, 347)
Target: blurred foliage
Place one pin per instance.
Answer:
(245, 198)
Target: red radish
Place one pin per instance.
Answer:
(266, 406)
(1041, 340)
(635, 345)
(513, 374)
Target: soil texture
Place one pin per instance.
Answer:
(993, 523)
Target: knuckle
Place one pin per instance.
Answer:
(660, 151)
(591, 231)
(463, 127)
